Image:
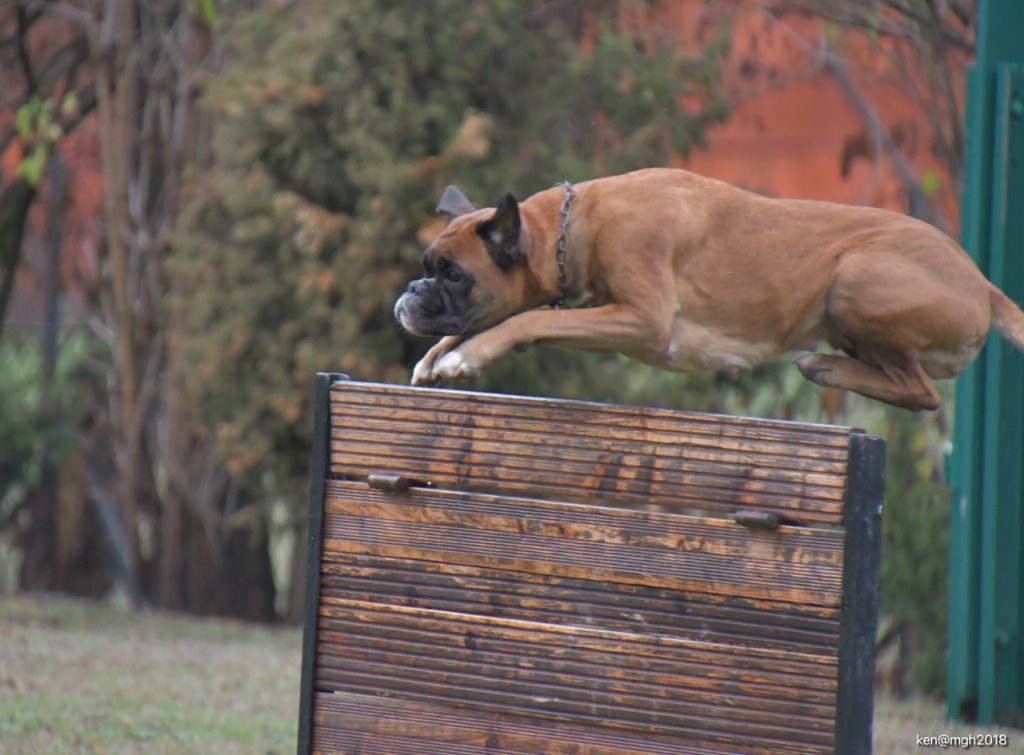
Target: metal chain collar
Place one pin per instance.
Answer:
(563, 284)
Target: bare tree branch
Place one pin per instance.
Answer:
(15, 202)
(24, 24)
(867, 17)
(920, 205)
(923, 46)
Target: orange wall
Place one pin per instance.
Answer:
(791, 120)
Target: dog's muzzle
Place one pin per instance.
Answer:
(414, 300)
(402, 313)
(427, 309)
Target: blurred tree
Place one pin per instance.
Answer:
(339, 125)
(190, 538)
(41, 419)
(177, 530)
(47, 96)
(43, 57)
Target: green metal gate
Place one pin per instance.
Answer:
(986, 646)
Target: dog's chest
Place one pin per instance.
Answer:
(693, 347)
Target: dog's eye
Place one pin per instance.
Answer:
(453, 274)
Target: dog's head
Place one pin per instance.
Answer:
(474, 272)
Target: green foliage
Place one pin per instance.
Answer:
(208, 10)
(338, 126)
(39, 427)
(931, 182)
(38, 132)
(915, 545)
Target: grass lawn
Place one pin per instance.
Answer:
(899, 723)
(80, 677)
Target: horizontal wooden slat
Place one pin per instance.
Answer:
(689, 687)
(792, 564)
(713, 454)
(729, 694)
(571, 412)
(709, 480)
(592, 522)
(748, 658)
(385, 726)
(577, 451)
(441, 635)
(615, 704)
(585, 602)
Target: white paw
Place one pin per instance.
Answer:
(454, 366)
(422, 372)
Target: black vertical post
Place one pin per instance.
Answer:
(862, 549)
(318, 473)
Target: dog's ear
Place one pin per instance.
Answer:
(501, 233)
(454, 203)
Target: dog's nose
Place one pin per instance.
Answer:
(416, 286)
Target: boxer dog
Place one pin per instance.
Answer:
(688, 273)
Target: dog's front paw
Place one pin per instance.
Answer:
(454, 366)
(423, 372)
(815, 367)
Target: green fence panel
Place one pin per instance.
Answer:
(986, 657)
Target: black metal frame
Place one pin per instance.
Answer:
(862, 548)
(314, 537)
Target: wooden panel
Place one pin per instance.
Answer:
(522, 597)
(735, 695)
(698, 554)
(580, 615)
(589, 452)
(558, 600)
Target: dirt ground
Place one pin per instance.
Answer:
(81, 677)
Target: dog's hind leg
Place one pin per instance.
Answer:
(906, 386)
(902, 317)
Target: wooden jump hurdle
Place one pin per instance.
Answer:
(501, 574)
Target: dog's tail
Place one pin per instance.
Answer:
(1007, 318)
